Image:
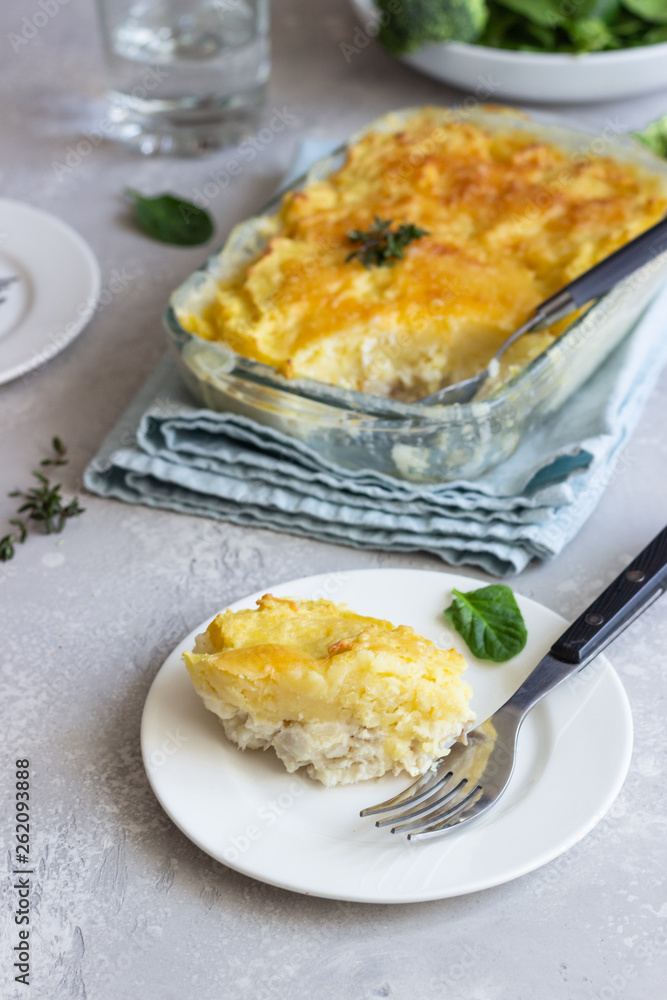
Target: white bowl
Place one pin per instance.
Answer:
(534, 76)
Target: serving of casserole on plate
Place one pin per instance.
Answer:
(287, 325)
(244, 809)
(348, 696)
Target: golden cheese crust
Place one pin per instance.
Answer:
(348, 696)
(510, 221)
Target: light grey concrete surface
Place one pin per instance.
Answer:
(123, 905)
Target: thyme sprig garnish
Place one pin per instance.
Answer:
(380, 245)
(7, 550)
(42, 503)
(59, 452)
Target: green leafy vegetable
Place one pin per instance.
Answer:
(490, 622)
(171, 219)
(548, 13)
(590, 34)
(650, 10)
(603, 10)
(407, 24)
(655, 136)
(380, 245)
(43, 503)
(524, 25)
(626, 26)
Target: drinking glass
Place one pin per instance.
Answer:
(185, 76)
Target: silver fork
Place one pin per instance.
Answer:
(588, 286)
(466, 783)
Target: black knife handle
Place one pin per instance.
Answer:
(632, 591)
(603, 276)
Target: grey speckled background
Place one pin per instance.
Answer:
(124, 905)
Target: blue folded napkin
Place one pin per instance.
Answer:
(188, 459)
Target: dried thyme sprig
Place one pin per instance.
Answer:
(380, 245)
(42, 503)
(7, 550)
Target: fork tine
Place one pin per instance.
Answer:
(436, 816)
(467, 809)
(430, 804)
(431, 816)
(456, 788)
(414, 793)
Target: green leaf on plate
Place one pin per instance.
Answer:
(490, 622)
(172, 219)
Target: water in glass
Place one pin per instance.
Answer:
(185, 75)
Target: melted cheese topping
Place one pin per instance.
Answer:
(349, 697)
(510, 221)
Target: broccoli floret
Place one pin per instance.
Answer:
(408, 24)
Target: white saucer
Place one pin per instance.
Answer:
(243, 808)
(56, 292)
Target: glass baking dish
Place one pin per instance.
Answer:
(423, 444)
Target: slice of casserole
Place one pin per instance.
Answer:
(346, 696)
(509, 218)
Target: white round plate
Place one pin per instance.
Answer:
(245, 810)
(534, 76)
(56, 292)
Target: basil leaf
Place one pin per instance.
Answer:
(655, 136)
(489, 621)
(171, 219)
